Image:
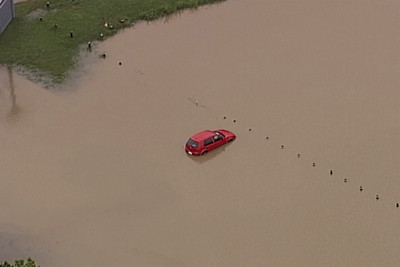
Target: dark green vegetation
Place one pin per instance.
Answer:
(39, 37)
(20, 263)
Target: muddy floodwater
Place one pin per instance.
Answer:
(94, 173)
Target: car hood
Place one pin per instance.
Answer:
(226, 133)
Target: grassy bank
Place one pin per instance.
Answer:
(39, 38)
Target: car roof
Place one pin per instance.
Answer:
(203, 135)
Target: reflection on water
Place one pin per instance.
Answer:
(210, 155)
(15, 111)
(9, 107)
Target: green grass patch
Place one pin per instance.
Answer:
(38, 39)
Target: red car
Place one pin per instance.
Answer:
(205, 141)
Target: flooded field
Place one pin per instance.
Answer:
(95, 174)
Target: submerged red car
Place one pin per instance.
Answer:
(205, 141)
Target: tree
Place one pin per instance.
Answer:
(20, 263)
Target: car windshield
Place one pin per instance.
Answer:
(219, 133)
(192, 143)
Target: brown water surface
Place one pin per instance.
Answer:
(96, 175)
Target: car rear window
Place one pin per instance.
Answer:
(192, 143)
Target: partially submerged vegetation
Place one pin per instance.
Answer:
(20, 263)
(46, 37)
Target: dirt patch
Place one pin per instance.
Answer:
(37, 13)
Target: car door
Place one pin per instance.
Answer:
(209, 144)
(218, 140)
